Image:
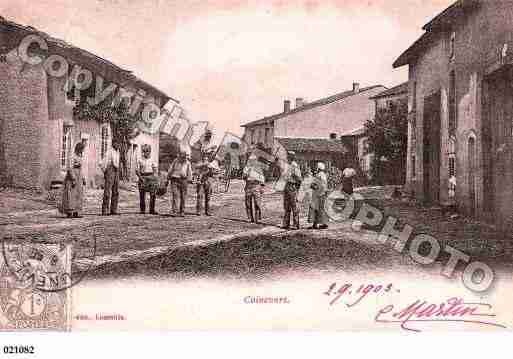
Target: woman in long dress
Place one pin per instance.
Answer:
(347, 180)
(74, 182)
(317, 214)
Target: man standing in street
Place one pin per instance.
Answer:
(254, 184)
(110, 168)
(317, 214)
(204, 186)
(148, 180)
(292, 177)
(205, 145)
(179, 175)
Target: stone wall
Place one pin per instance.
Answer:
(24, 114)
(479, 37)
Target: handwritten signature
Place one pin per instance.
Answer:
(452, 310)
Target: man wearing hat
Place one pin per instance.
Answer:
(148, 181)
(204, 186)
(205, 145)
(254, 184)
(110, 168)
(179, 175)
(317, 214)
(292, 177)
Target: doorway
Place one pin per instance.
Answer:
(431, 146)
(497, 147)
(472, 174)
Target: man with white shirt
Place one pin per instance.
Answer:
(110, 167)
(205, 145)
(292, 176)
(254, 186)
(179, 175)
(204, 186)
(148, 181)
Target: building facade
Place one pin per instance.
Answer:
(357, 143)
(460, 110)
(315, 126)
(310, 151)
(38, 131)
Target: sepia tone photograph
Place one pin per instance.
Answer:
(332, 166)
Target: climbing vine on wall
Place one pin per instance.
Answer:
(124, 126)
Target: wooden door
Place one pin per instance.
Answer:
(498, 184)
(431, 153)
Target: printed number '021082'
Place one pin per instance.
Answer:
(18, 349)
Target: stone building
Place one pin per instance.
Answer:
(357, 144)
(461, 109)
(315, 127)
(310, 151)
(37, 128)
(357, 141)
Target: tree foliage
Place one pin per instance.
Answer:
(387, 137)
(124, 126)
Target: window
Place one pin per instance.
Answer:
(104, 141)
(452, 166)
(452, 157)
(452, 45)
(412, 107)
(267, 133)
(413, 129)
(452, 103)
(413, 166)
(365, 146)
(253, 139)
(66, 146)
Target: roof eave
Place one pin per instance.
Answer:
(441, 16)
(87, 57)
(307, 106)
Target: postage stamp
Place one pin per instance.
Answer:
(34, 281)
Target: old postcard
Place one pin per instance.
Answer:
(335, 165)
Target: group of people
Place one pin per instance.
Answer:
(292, 180)
(179, 176)
(149, 184)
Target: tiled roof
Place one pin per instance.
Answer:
(356, 132)
(394, 91)
(309, 105)
(413, 50)
(99, 65)
(312, 145)
(458, 8)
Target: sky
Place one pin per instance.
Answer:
(229, 62)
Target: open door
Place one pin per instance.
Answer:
(431, 147)
(498, 148)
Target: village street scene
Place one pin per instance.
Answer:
(404, 178)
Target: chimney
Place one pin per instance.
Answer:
(356, 87)
(333, 136)
(286, 106)
(299, 102)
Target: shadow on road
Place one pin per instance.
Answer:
(258, 258)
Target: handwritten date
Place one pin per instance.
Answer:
(355, 294)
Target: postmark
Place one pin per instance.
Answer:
(30, 275)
